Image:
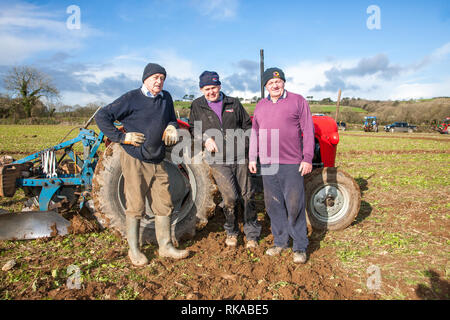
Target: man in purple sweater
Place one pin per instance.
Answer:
(283, 138)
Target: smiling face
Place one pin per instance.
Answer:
(275, 87)
(155, 83)
(211, 92)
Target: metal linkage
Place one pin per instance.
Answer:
(50, 183)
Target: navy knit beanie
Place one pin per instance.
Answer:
(272, 73)
(151, 69)
(209, 78)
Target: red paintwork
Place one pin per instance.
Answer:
(325, 131)
(182, 124)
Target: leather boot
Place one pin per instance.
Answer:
(164, 238)
(136, 256)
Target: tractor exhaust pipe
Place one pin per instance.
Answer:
(261, 71)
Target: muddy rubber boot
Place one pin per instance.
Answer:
(136, 256)
(164, 238)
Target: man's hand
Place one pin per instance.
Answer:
(252, 166)
(305, 168)
(134, 138)
(211, 145)
(170, 135)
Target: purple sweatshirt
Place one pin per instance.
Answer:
(216, 106)
(279, 127)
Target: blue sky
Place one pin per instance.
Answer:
(322, 46)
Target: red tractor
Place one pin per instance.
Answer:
(332, 196)
(443, 127)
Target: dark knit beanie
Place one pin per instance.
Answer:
(151, 69)
(209, 78)
(272, 73)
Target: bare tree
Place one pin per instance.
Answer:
(29, 85)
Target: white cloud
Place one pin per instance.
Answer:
(441, 52)
(305, 75)
(418, 90)
(372, 78)
(74, 97)
(112, 78)
(436, 56)
(217, 9)
(176, 66)
(27, 29)
(133, 64)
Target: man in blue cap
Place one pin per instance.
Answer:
(215, 111)
(148, 117)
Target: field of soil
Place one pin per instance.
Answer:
(397, 248)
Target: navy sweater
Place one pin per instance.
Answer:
(139, 113)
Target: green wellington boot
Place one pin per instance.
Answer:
(134, 253)
(164, 238)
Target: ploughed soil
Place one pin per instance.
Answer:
(402, 231)
(212, 271)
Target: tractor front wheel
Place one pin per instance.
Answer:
(333, 199)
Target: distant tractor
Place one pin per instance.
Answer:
(443, 127)
(370, 124)
(341, 125)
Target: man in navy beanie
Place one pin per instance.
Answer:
(215, 110)
(289, 116)
(151, 69)
(148, 117)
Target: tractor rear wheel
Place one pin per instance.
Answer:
(333, 199)
(192, 189)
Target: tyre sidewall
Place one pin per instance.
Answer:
(333, 176)
(111, 213)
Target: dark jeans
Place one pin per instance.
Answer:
(284, 197)
(236, 189)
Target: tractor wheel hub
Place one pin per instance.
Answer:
(328, 202)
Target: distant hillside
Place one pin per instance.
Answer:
(183, 108)
(421, 111)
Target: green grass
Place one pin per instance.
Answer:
(383, 141)
(332, 109)
(393, 164)
(402, 226)
(184, 106)
(315, 109)
(33, 138)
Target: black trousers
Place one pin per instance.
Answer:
(234, 183)
(284, 197)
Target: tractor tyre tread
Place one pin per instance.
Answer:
(110, 213)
